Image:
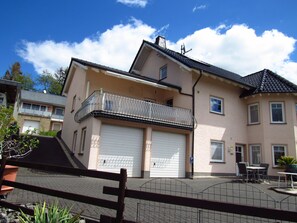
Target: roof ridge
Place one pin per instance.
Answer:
(282, 79)
(263, 79)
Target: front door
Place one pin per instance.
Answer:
(239, 155)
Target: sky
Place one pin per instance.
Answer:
(242, 36)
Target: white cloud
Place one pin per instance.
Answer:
(239, 49)
(200, 7)
(116, 47)
(138, 3)
(236, 48)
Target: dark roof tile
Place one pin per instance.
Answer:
(199, 65)
(266, 81)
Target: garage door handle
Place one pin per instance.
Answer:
(154, 164)
(104, 161)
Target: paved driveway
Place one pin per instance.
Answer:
(93, 187)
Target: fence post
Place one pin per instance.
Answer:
(121, 196)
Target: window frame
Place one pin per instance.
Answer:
(250, 116)
(283, 112)
(74, 140)
(73, 103)
(82, 140)
(251, 153)
(273, 153)
(62, 109)
(56, 124)
(222, 105)
(222, 151)
(163, 72)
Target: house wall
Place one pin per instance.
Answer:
(131, 89)
(176, 75)
(230, 128)
(78, 90)
(45, 123)
(267, 134)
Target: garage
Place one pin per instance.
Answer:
(168, 155)
(30, 125)
(121, 147)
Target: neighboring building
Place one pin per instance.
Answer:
(172, 116)
(40, 111)
(9, 91)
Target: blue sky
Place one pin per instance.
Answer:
(243, 36)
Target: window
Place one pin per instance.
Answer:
(108, 105)
(253, 114)
(255, 154)
(83, 140)
(73, 103)
(1, 100)
(277, 152)
(217, 151)
(277, 112)
(216, 105)
(34, 107)
(163, 72)
(26, 106)
(169, 103)
(42, 108)
(59, 111)
(57, 126)
(74, 141)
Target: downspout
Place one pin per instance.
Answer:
(193, 113)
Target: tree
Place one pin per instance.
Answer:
(60, 75)
(44, 80)
(15, 74)
(53, 83)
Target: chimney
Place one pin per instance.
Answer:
(161, 41)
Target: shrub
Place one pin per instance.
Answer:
(52, 214)
(286, 160)
(48, 133)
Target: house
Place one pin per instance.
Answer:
(173, 116)
(40, 111)
(9, 91)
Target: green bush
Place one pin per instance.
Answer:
(286, 160)
(48, 133)
(12, 144)
(52, 214)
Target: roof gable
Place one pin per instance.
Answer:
(131, 76)
(266, 81)
(187, 62)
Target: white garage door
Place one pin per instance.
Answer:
(121, 147)
(168, 155)
(30, 125)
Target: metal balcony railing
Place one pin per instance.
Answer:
(35, 112)
(57, 117)
(133, 108)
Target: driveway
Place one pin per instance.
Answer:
(93, 187)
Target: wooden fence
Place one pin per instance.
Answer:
(122, 192)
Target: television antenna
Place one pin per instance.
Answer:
(183, 50)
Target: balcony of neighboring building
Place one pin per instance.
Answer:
(58, 115)
(31, 109)
(103, 104)
(34, 110)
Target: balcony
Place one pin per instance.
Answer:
(106, 104)
(35, 112)
(56, 117)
